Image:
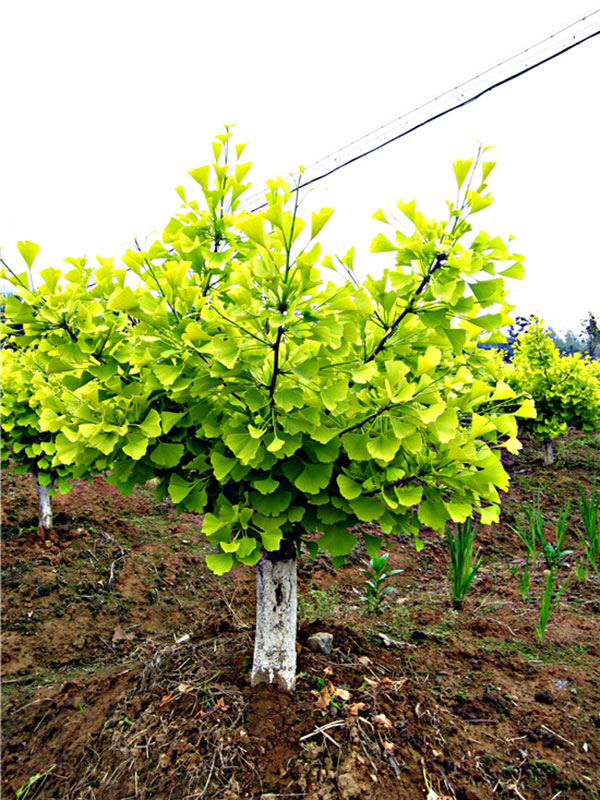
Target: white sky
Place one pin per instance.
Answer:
(107, 105)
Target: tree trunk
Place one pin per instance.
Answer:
(45, 508)
(548, 452)
(276, 610)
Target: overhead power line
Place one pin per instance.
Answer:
(556, 44)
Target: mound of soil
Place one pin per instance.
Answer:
(125, 662)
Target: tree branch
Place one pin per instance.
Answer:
(24, 285)
(437, 264)
(364, 421)
(156, 281)
(65, 326)
(275, 363)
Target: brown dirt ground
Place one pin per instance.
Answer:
(125, 663)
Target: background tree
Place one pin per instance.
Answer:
(513, 332)
(567, 344)
(3, 295)
(590, 335)
(23, 442)
(565, 388)
(49, 335)
(289, 410)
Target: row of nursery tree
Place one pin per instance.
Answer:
(587, 342)
(287, 409)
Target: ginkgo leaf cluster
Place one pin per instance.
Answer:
(221, 363)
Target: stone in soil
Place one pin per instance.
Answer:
(320, 643)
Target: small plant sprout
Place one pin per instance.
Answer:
(555, 553)
(535, 535)
(25, 791)
(462, 567)
(545, 607)
(377, 596)
(548, 599)
(590, 539)
(581, 570)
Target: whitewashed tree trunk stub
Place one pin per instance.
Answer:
(548, 452)
(276, 612)
(45, 507)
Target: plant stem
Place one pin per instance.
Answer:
(437, 264)
(276, 346)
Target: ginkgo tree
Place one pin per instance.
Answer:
(287, 409)
(23, 442)
(62, 332)
(565, 388)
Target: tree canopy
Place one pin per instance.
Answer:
(220, 362)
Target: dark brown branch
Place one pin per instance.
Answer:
(439, 260)
(275, 363)
(400, 483)
(364, 421)
(65, 325)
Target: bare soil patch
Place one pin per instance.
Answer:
(125, 663)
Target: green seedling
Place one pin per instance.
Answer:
(463, 568)
(548, 599)
(534, 535)
(39, 779)
(203, 684)
(376, 596)
(581, 570)
(590, 538)
(545, 608)
(555, 553)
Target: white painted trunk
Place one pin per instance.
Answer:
(276, 612)
(548, 452)
(45, 507)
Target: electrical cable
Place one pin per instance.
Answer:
(344, 156)
(502, 63)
